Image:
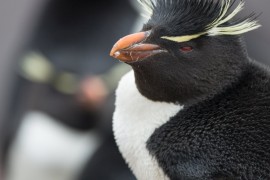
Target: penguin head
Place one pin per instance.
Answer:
(188, 49)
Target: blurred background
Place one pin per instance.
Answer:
(57, 85)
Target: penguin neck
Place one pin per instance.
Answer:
(178, 90)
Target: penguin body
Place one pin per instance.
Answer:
(195, 106)
(226, 136)
(135, 120)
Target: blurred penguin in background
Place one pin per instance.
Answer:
(59, 125)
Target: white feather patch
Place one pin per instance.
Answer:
(135, 119)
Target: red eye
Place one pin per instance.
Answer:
(186, 49)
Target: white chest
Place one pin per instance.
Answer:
(135, 119)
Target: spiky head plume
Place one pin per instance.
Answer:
(194, 18)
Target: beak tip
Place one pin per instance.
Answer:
(114, 50)
(115, 53)
(112, 54)
(126, 42)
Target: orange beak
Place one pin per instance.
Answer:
(131, 48)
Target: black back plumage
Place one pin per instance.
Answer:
(224, 137)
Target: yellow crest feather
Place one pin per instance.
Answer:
(245, 26)
(182, 38)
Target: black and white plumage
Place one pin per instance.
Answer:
(195, 106)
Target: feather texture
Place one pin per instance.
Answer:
(208, 17)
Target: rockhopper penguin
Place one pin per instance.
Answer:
(195, 105)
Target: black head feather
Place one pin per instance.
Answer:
(189, 17)
(185, 16)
